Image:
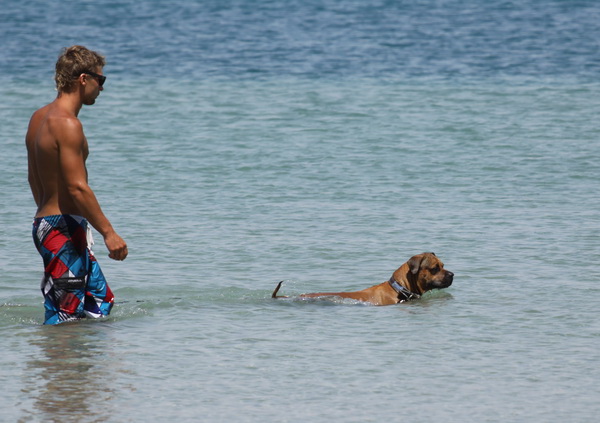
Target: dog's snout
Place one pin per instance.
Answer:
(449, 275)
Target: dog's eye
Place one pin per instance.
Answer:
(434, 270)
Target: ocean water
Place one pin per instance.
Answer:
(323, 143)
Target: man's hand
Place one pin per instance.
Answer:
(117, 248)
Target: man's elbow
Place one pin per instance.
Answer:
(77, 190)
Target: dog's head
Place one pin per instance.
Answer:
(427, 271)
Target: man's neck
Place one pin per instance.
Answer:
(70, 102)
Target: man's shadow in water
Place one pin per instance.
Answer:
(73, 373)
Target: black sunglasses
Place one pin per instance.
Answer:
(99, 78)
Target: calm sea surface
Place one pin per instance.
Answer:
(323, 143)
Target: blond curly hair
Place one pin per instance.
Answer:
(72, 62)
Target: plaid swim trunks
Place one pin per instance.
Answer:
(73, 284)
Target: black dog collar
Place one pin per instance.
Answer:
(403, 293)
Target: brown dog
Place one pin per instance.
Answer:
(421, 273)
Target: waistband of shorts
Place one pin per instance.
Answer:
(59, 216)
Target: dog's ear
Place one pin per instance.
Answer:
(414, 263)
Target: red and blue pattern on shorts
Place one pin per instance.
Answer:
(73, 284)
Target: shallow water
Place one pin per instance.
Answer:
(235, 160)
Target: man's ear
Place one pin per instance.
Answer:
(82, 78)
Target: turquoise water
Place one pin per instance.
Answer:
(239, 144)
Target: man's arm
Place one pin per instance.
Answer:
(72, 166)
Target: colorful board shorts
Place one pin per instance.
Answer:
(73, 284)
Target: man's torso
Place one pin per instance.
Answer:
(43, 146)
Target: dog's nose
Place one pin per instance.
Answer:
(450, 275)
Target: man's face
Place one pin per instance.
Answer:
(92, 87)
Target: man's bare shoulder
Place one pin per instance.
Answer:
(59, 117)
(38, 118)
(63, 126)
(56, 118)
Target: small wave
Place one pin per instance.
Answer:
(16, 313)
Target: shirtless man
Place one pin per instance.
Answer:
(73, 284)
